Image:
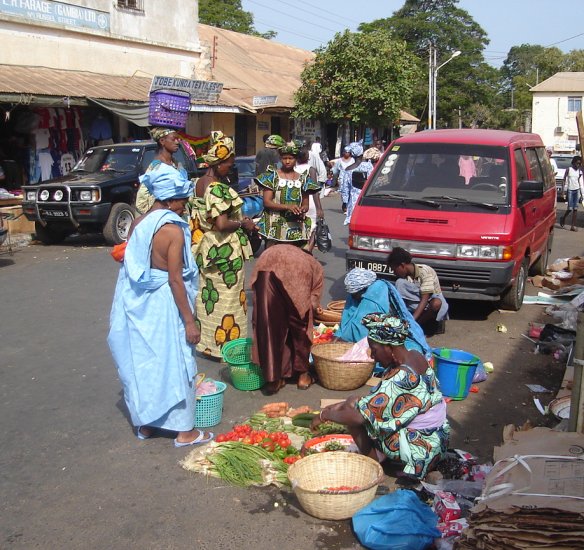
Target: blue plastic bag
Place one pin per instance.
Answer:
(397, 521)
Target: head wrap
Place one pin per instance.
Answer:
(288, 149)
(158, 132)
(166, 182)
(221, 149)
(275, 141)
(358, 279)
(373, 153)
(386, 329)
(355, 148)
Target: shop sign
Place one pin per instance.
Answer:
(201, 90)
(58, 13)
(264, 100)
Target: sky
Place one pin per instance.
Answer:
(508, 23)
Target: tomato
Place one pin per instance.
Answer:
(269, 446)
(220, 438)
(247, 440)
(284, 443)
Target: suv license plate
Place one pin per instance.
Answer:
(377, 267)
(55, 214)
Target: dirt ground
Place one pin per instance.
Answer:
(73, 475)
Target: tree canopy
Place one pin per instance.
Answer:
(228, 14)
(442, 23)
(364, 78)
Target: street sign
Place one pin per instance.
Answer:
(201, 90)
(264, 100)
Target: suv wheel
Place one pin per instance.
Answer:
(115, 230)
(513, 298)
(51, 234)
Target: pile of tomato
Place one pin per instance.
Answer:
(274, 442)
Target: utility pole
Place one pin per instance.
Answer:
(431, 65)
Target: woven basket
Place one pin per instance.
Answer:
(311, 476)
(334, 374)
(209, 408)
(336, 305)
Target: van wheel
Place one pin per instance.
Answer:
(51, 234)
(115, 230)
(513, 298)
(540, 266)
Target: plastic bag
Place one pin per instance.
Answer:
(359, 352)
(480, 374)
(398, 521)
(323, 236)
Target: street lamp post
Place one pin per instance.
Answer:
(432, 77)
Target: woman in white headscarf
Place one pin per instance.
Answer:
(353, 177)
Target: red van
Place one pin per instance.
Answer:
(476, 205)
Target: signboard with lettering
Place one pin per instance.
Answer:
(201, 90)
(264, 100)
(59, 13)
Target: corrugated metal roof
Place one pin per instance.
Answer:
(561, 82)
(18, 79)
(250, 66)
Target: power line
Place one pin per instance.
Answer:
(289, 31)
(342, 21)
(298, 19)
(565, 40)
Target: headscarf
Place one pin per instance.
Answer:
(288, 149)
(387, 329)
(158, 132)
(166, 182)
(221, 149)
(275, 141)
(358, 279)
(373, 153)
(355, 148)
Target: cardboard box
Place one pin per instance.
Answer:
(15, 220)
(446, 507)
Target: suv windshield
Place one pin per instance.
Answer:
(440, 175)
(109, 159)
(563, 162)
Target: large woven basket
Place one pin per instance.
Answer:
(313, 476)
(334, 374)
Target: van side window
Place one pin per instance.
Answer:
(520, 166)
(534, 167)
(549, 178)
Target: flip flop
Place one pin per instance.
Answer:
(199, 440)
(141, 436)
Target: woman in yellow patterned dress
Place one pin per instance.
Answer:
(220, 248)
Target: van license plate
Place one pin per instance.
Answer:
(377, 267)
(55, 214)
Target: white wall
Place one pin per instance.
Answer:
(162, 40)
(550, 111)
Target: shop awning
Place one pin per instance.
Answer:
(136, 113)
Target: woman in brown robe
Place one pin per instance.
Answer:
(287, 284)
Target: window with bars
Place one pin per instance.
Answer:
(574, 104)
(133, 5)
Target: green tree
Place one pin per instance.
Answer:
(228, 14)
(467, 79)
(574, 61)
(364, 78)
(524, 67)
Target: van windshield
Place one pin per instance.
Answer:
(443, 174)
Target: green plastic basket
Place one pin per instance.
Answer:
(209, 408)
(237, 352)
(246, 377)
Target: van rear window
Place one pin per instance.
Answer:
(431, 171)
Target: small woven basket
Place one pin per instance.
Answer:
(209, 408)
(334, 374)
(169, 108)
(312, 476)
(245, 375)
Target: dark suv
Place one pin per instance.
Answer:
(97, 196)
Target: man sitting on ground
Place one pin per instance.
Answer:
(419, 287)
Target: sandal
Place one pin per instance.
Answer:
(272, 388)
(305, 385)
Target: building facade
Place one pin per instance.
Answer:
(557, 102)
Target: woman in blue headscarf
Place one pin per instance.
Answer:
(362, 169)
(404, 417)
(153, 325)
